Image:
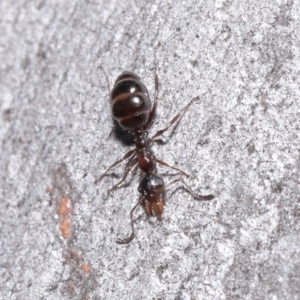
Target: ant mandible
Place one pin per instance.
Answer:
(131, 108)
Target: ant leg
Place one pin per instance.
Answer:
(108, 87)
(106, 77)
(153, 110)
(128, 154)
(166, 165)
(192, 193)
(128, 168)
(175, 119)
(130, 238)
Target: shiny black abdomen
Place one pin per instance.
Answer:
(130, 102)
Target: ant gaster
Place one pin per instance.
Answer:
(131, 108)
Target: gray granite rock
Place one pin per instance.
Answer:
(241, 143)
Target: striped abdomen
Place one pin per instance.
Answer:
(130, 101)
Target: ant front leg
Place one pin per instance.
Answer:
(192, 193)
(127, 155)
(133, 161)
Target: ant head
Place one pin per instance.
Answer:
(152, 188)
(151, 185)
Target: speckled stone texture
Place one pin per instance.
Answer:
(240, 142)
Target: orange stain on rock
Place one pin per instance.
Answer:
(64, 206)
(64, 227)
(64, 211)
(86, 268)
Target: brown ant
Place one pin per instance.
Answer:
(131, 108)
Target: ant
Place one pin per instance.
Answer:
(131, 108)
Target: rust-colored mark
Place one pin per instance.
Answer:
(80, 279)
(64, 206)
(71, 288)
(86, 268)
(81, 264)
(64, 227)
(49, 190)
(63, 211)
